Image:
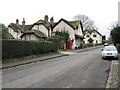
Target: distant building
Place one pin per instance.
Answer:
(92, 37)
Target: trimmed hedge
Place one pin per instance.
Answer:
(20, 48)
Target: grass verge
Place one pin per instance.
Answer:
(65, 49)
(26, 57)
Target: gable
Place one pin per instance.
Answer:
(36, 26)
(91, 32)
(35, 32)
(15, 27)
(40, 27)
(65, 22)
(63, 26)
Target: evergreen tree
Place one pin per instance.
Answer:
(4, 32)
(115, 34)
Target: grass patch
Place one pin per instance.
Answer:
(90, 46)
(27, 57)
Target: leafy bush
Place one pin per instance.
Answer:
(5, 34)
(55, 42)
(118, 47)
(58, 40)
(64, 34)
(20, 48)
(115, 33)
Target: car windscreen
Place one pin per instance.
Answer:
(109, 49)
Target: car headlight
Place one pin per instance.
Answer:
(115, 53)
(103, 53)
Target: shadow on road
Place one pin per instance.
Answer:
(109, 59)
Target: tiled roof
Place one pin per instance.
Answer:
(79, 36)
(18, 27)
(90, 39)
(90, 31)
(47, 24)
(36, 32)
(74, 23)
(27, 27)
(15, 27)
(65, 22)
(39, 33)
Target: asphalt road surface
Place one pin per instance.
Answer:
(78, 70)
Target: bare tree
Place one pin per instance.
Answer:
(88, 24)
(113, 25)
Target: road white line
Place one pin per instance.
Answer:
(69, 86)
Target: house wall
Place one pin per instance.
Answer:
(78, 42)
(98, 38)
(63, 26)
(41, 28)
(16, 35)
(29, 37)
(79, 31)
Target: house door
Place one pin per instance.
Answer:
(69, 44)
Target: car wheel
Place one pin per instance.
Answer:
(102, 57)
(116, 58)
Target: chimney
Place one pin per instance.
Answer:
(17, 21)
(52, 20)
(23, 24)
(46, 18)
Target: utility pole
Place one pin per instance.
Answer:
(119, 13)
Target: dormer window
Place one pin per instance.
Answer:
(94, 35)
(87, 36)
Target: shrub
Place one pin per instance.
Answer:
(20, 48)
(118, 47)
(58, 40)
(115, 34)
(55, 42)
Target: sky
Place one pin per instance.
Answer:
(102, 12)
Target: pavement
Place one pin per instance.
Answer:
(43, 58)
(113, 78)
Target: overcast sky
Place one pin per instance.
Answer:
(102, 12)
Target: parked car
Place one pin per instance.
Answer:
(109, 51)
(106, 44)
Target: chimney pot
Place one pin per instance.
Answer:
(17, 21)
(52, 20)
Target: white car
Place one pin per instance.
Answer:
(109, 51)
(106, 44)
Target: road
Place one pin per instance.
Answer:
(78, 70)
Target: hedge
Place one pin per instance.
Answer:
(55, 42)
(20, 48)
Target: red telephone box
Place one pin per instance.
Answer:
(69, 44)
